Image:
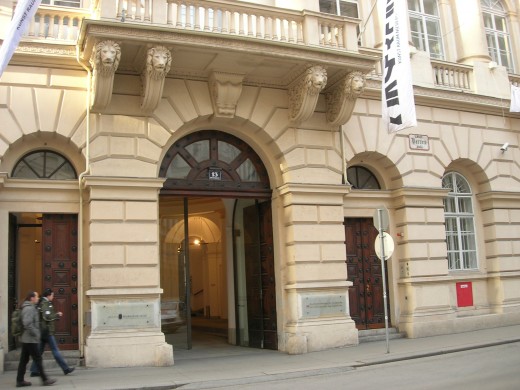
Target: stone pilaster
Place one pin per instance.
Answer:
(315, 286)
(424, 295)
(123, 259)
(501, 220)
(468, 27)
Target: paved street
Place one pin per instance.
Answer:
(496, 368)
(484, 359)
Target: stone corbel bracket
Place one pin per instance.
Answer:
(342, 98)
(157, 66)
(225, 90)
(304, 93)
(104, 61)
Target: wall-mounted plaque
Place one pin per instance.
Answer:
(419, 142)
(126, 315)
(314, 305)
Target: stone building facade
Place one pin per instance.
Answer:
(166, 161)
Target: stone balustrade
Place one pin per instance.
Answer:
(56, 23)
(451, 75)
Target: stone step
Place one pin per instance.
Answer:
(72, 358)
(369, 335)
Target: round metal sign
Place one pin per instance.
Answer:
(388, 243)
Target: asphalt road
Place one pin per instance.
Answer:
(493, 368)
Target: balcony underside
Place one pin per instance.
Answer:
(195, 55)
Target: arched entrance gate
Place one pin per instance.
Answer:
(217, 264)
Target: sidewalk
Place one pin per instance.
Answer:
(223, 365)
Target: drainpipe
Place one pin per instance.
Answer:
(80, 215)
(343, 159)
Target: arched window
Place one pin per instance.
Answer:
(425, 27)
(44, 164)
(211, 161)
(362, 179)
(460, 223)
(497, 35)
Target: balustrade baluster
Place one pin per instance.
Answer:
(70, 29)
(290, 30)
(334, 36)
(232, 22)
(120, 6)
(326, 34)
(50, 33)
(259, 25)
(207, 20)
(269, 28)
(240, 23)
(179, 14)
(341, 41)
(187, 22)
(225, 21)
(299, 30)
(197, 17)
(147, 17)
(276, 26)
(169, 13)
(217, 19)
(250, 24)
(60, 27)
(283, 25)
(41, 27)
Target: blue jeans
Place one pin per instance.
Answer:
(49, 339)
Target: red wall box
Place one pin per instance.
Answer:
(464, 294)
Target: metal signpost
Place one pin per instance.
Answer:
(384, 247)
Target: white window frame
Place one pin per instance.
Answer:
(338, 7)
(63, 3)
(495, 9)
(458, 215)
(423, 38)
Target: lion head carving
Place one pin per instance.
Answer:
(354, 84)
(158, 62)
(315, 79)
(105, 58)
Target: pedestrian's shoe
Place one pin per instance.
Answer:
(33, 374)
(23, 384)
(69, 370)
(49, 382)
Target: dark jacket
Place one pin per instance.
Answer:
(49, 315)
(31, 324)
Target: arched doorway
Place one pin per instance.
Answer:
(364, 269)
(217, 262)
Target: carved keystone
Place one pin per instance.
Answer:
(158, 64)
(304, 93)
(342, 98)
(104, 61)
(225, 90)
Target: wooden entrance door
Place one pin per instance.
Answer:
(60, 273)
(364, 271)
(260, 281)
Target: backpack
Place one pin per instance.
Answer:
(16, 323)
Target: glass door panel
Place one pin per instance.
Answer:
(175, 305)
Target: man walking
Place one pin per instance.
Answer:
(49, 315)
(30, 340)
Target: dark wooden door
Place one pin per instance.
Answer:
(364, 271)
(60, 273)
(260, 280)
